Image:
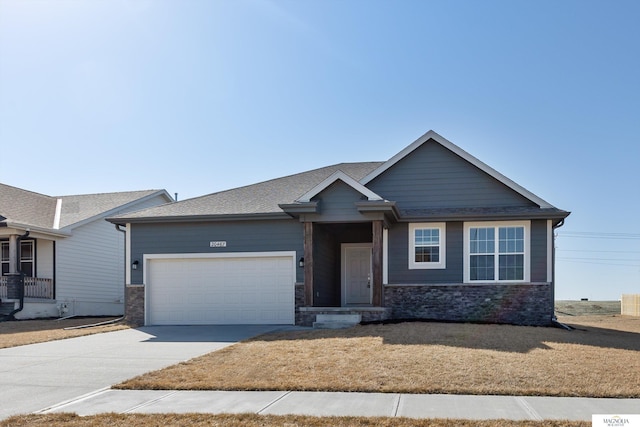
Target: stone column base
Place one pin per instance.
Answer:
(134, 305)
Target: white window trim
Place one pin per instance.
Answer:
(442, 264)
(496, 224)
(32, 260)
(3, 260)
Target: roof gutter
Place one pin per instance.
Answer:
(200, 218)
(484, 217)
(31, 228)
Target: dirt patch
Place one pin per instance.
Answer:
(21, 332)
(600, 358)
(587, 308)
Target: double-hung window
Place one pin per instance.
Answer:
(497, 252)
(5, 257)
(26, 257)
(427, 245)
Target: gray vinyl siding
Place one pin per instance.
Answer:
(434, 177)
(45, 259)
(337, 204)
(241, 236)
(399, 272)
(90, 268)
(539, 250)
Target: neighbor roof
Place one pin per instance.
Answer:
(79, 208)
(25, 209)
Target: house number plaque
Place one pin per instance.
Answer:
(218, 244)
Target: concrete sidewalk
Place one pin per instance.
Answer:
(346, 404)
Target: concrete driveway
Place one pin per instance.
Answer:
(36, 376)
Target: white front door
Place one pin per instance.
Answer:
(356, 273)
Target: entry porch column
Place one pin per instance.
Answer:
(15, 285)
(308, 264)
(376, 261)
(13, 254)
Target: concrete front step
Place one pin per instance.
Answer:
(5, 309)
(336, 321)
(332, 325)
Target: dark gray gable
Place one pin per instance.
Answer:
(432, 176)
(337, 203)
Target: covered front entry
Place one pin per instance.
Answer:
(343, 264)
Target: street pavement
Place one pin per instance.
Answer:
(75, 375)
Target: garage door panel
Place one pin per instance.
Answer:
(243, 290)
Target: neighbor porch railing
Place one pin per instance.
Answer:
(34, 287)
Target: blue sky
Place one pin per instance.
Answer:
(201, 96)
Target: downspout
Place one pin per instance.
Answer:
(125, 271)
(10, 316)
(125, 249)
(554, 319)
(553, 257)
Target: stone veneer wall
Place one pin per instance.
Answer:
(519, 304)
(299, 302)
(15, 285)
(134, 305)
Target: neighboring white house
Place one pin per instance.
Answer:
(72, 259)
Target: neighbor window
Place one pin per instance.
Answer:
(26, 257)
(427, 245)
(496, 252)
(5, 257)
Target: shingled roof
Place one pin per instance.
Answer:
(26, 209)
(81, 207)
(257, 199)
(271, 198)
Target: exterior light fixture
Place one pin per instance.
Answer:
(301, 262)
(134, 266)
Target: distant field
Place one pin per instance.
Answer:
(587, 308)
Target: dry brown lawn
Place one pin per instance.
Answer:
(21, 332)
(601, 358)
(250, 420)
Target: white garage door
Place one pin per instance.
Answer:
(226, 290)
